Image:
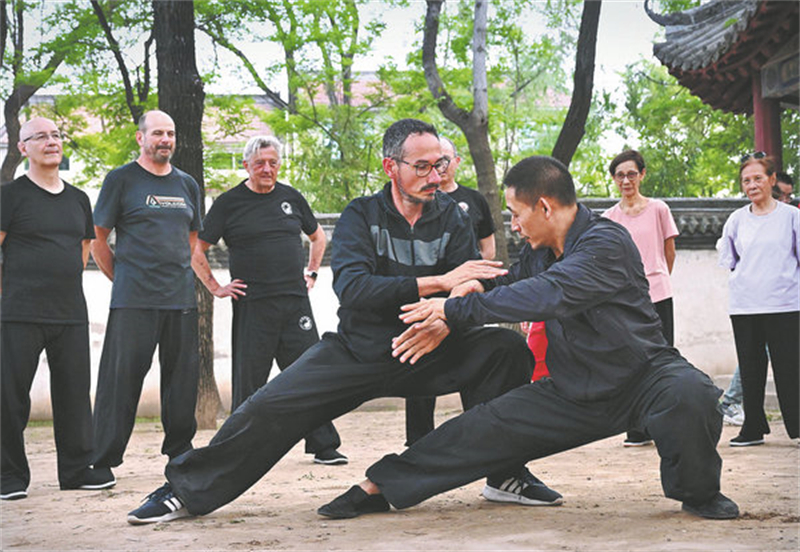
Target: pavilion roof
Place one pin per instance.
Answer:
(715, 49)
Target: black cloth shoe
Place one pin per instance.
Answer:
(330, 457)
(354, 503)
(742, 441)
(719, 507)
(160, 505)
(524, 489)
(92, 479)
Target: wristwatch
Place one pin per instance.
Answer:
(312, 274)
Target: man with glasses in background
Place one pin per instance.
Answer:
(45, 232)
(406, 242)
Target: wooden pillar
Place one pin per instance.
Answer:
(767, 121)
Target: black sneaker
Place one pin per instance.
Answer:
(525, 489)
(719, 507)
(14, 495)
(330, 457)
(354, 503)
(92, 479)
(160, 505)
(742, 441)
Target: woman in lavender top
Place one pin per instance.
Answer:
(760, 245)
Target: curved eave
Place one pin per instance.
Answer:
(724, 82)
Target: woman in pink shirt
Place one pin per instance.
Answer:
(653, 229)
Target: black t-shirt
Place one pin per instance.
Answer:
(262, 232)
(152, 216)
(475, 205)
(42, 253)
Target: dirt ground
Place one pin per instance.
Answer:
(613, 501)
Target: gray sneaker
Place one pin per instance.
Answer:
(733, 414)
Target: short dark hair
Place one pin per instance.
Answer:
(538, 176)
(785, 178)
(396, 135)
(627, 155)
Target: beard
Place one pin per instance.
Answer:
(414, 199)
(161, 154)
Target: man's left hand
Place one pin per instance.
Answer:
(424, 311)
(310, 282)
(419, 340)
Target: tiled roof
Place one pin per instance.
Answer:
(716, 49)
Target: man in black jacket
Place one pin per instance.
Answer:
(610, 365)
(406, 242)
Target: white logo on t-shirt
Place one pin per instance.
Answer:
(287, 207)
(165, 202)
(305, 323)
(464, 206)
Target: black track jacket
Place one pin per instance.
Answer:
(602, 329)
(376, 258)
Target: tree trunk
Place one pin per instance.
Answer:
(180, 93)
(575, 123)
(474, 124)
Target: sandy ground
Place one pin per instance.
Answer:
(613, 501)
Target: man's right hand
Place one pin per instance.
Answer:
(474, 270)
(234, 289)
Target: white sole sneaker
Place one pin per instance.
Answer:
(496, 495)
(177, 514)
(14, 495)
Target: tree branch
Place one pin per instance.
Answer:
(480, 83)
(445, 102)
(135, 109)
(574, 126)
(225, 43)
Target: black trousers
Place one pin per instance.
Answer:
(279, 328)
(326, 382)
(664, 310)
(781, 333)
(131, 339)
(676, 404)
(67, 348)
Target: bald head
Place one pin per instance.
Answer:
(154, 117)
(35, 126)
(40, 141)
(156, 139)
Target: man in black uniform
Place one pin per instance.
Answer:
(155, 209)
(405, 242)
(611, 367)
(260, 221)
(45, 232)
(420, 410)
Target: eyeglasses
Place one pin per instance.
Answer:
(39, 136)
(423, 168)
(630, 175)
(754, 155)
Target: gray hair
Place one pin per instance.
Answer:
(257, 143)
(395, 136)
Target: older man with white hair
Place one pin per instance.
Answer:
(260, 221)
